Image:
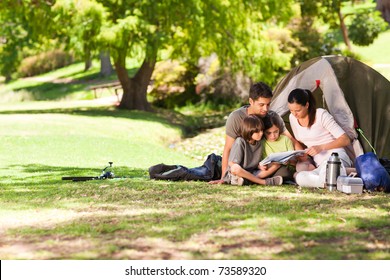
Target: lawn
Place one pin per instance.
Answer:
(44, 217)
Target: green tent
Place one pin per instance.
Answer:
(355, 94)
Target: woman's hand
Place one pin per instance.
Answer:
(314, 150)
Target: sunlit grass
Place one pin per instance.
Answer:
(377, 55)
(138, 218)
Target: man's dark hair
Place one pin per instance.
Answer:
(258, 90)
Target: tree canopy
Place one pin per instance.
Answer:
(246, 35)
(234, 30)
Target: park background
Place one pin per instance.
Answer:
(182, 67)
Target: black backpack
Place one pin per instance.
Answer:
(210, 170)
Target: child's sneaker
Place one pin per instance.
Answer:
(236, 180)
(274, 181)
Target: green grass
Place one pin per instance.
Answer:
(65, 84)
(84, 136)
(377, 55)
(378, 52)
(43, 217)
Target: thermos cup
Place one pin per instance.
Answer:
(333, 168)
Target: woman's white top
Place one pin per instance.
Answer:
(323, 131)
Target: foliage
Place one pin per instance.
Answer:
(334, 15)
(226, 88)
(21, 26)
(77, 24)
(352, 54)
(234, 30)
(313, 42)
(219, 85)
(44, 62)
(365, 28)
(249, 38)
(172, 85)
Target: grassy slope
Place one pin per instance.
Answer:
(86, 137)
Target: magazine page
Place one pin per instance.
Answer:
(282, 157)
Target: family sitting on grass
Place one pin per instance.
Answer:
(253, 132)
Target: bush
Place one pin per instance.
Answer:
(365, 28)
(173, 84)
(178, 84)
(43, 63)
(226, 88)
(313, 43)
(351, 54)
(217, 85)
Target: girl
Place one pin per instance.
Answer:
(244, 157)
(274, 142)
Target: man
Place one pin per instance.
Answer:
(260, 96)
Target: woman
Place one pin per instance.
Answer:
(319, 132)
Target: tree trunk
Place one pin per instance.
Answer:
(344, 31)
(87, 58)
(8, 78)
(384, 7)
(106, 68)
(87, 64)
(135, 89)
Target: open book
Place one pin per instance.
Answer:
(282, 157)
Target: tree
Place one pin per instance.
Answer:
(187, 29)
(21, 23)
(106, 68)
(384, 7)
(31, 24)
(365, 28)
(331, 12)
(78, 24)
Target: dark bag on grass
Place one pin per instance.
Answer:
(372, 172)
(210, 170)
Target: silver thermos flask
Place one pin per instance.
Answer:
(333, 167)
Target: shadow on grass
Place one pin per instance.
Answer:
(138, 218)
(166, 118)
(57, 89)
(43, 175)
(159, 235)
(361, 242)
(190, 125)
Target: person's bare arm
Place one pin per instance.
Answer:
(268, 170)
(296, 143)
(229, 141)
(340, 142)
